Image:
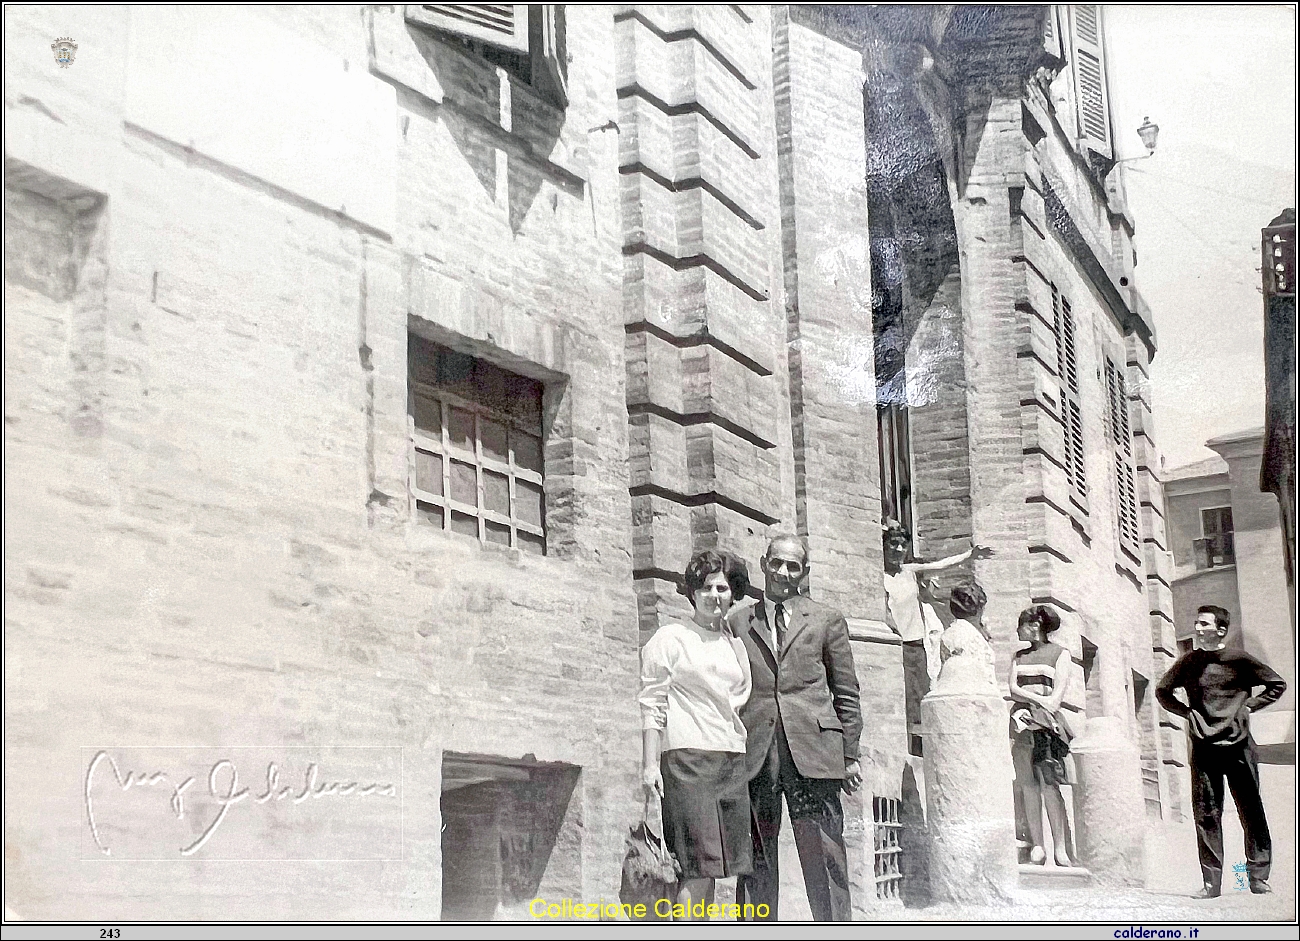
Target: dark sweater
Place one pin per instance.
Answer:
(1219, 684)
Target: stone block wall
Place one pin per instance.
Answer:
(212, 274)
(207, 449)
(827, 277)
(707, 413)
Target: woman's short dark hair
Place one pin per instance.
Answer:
(1040, 614)
(707, 562)
(967, 600)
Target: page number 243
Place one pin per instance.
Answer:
(110, 932)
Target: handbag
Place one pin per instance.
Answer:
(650, 871)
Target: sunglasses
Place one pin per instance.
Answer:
(794, 568)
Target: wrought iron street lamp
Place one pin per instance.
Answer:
(1148, 132)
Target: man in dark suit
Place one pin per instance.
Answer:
(803, 722)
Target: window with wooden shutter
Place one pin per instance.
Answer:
(1052, 34)
(1067, 368)
(1117, 392)
(1088, 62)
(527, 40)
(1126, 502)
(504, 25)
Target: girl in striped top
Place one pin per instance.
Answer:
(1040, 739)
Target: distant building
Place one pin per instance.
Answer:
(1277, 473)
(1226, 539)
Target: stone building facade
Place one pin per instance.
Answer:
(371, 373)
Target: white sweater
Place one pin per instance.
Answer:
(693, 683)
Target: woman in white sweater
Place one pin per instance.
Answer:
(694, 679)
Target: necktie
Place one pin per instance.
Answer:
(780, 626)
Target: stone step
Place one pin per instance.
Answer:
(1054, 877)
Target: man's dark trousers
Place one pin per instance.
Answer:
(1210, 765)
(817, 819)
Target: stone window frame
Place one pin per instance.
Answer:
(441, 446)
(538, 352)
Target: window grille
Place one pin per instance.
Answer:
(498, 24)
(476, 448)
(889, 850)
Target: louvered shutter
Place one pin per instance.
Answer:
(1126, 499)
(1074, 448)
(499, 24)
(1125, 476)
(1052, 33)
(1088, 60)
(1121, 393)
(1069, 357)
(1118, 395)
(1067, 366)
(550, 58)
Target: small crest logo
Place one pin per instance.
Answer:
(65, 51)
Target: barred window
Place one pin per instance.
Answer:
(476, 448)
(889, 874)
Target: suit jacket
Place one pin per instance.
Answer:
(810, 684)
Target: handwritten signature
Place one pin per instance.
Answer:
(223, 786)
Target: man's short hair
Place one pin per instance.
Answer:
(896, 530)
(968, 600)
(787, 537)
(1221, 616)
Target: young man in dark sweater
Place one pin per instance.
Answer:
(1218, 682)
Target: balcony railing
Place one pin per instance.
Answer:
(1214, 551)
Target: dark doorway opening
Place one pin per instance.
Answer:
(510, 828)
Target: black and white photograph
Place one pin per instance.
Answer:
(649, 464)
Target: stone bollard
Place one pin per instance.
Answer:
(1109, 812)
(968, 780)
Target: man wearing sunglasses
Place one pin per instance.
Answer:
(803, 722)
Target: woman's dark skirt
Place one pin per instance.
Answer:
(706, 812)
(1041, 753)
